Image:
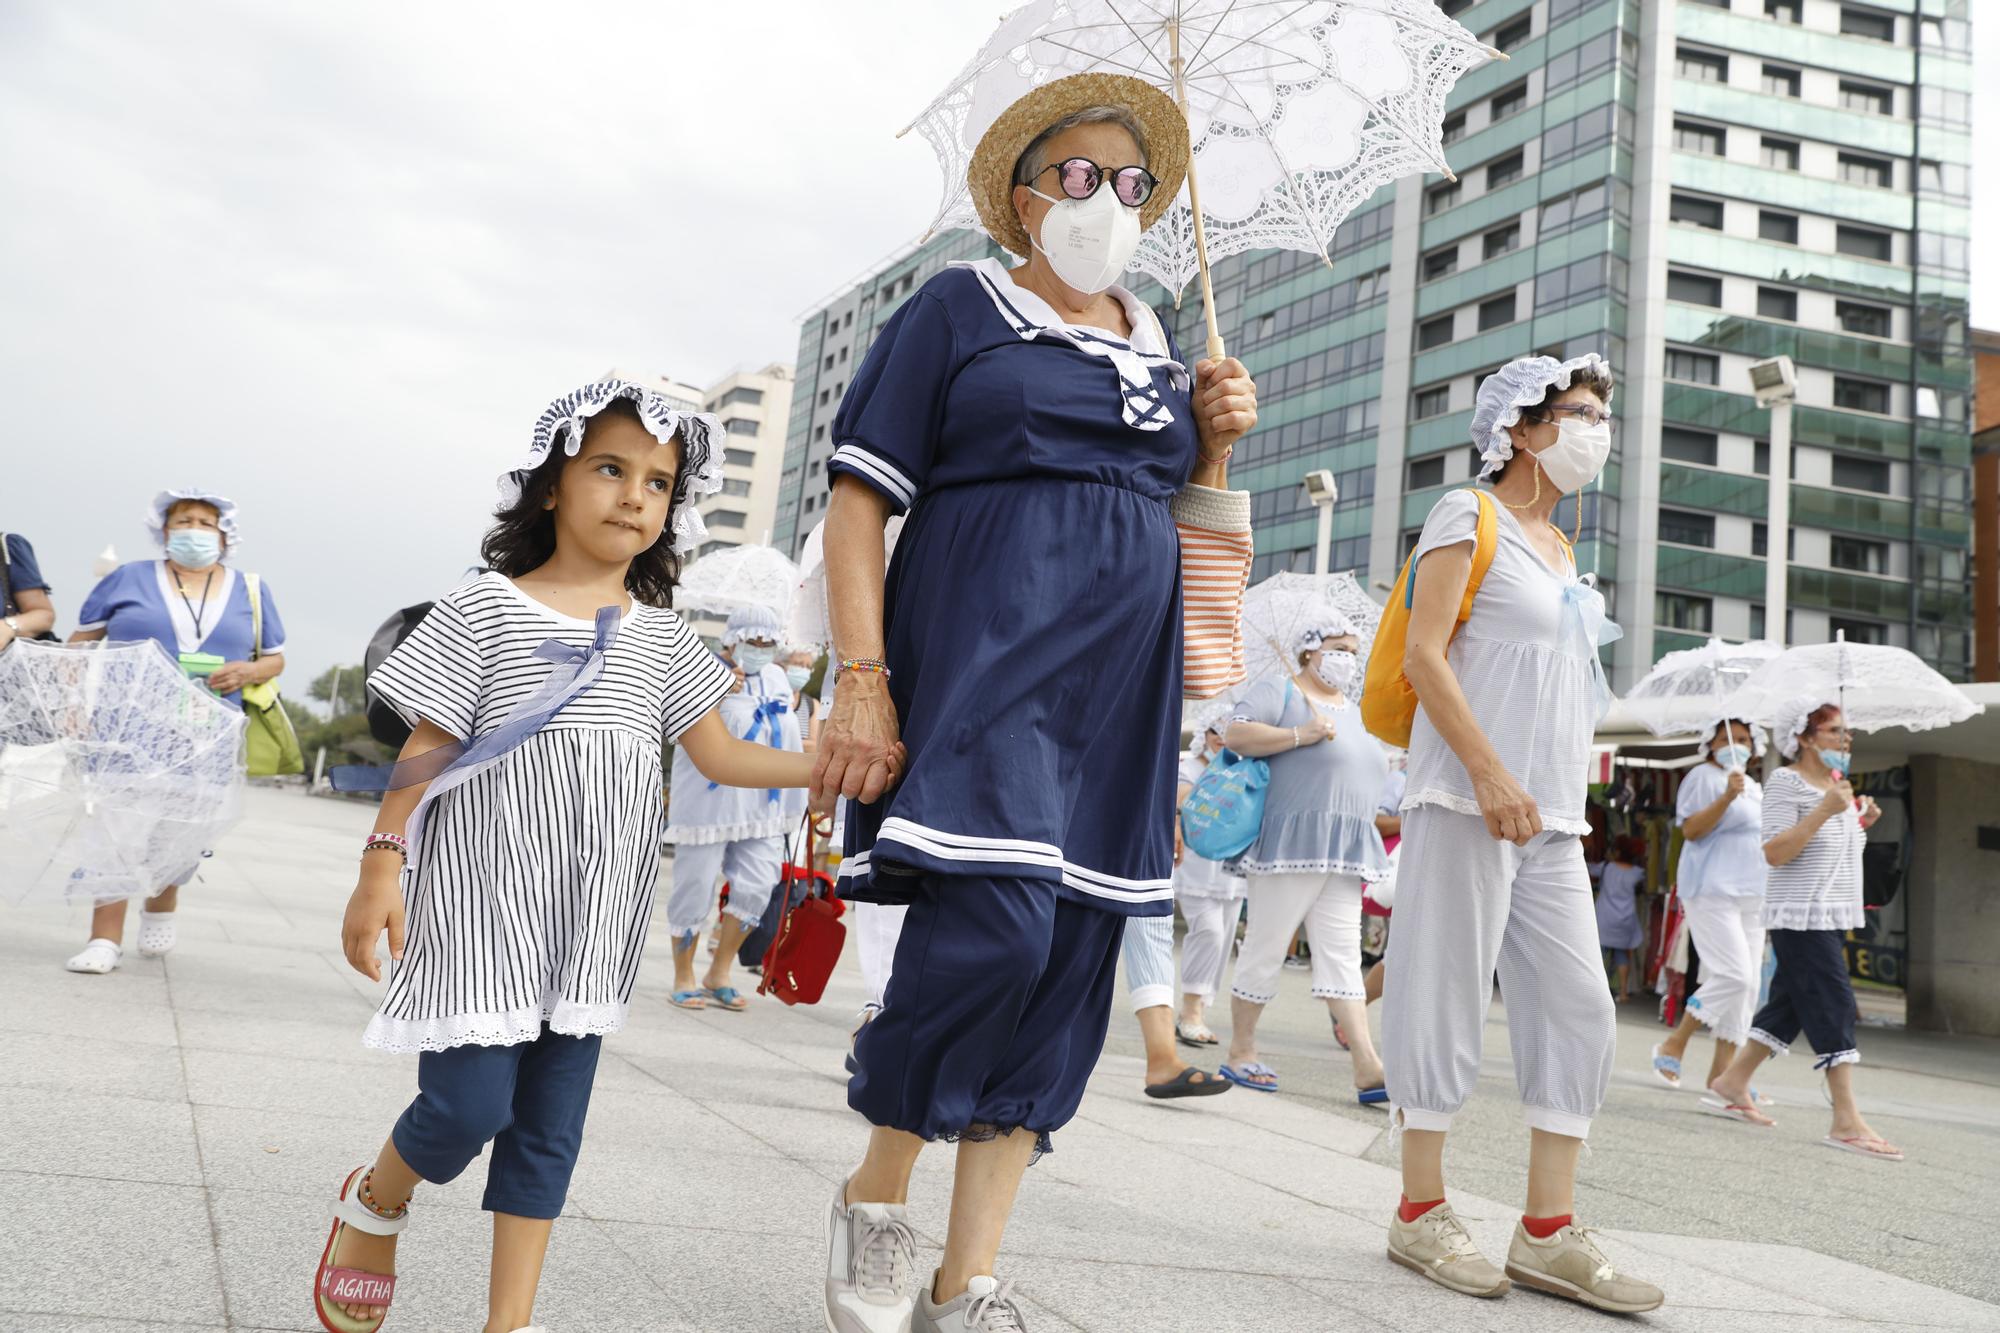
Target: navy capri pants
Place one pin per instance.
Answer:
(528, 1100)
(995, 1012)
(1811, 993)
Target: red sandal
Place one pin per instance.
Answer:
(336, 1287)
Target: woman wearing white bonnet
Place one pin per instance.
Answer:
(1720, 884)
(1492, 871)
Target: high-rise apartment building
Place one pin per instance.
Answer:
(1685, 186)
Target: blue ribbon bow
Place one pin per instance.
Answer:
(451, 766)
(765, 720)
(1585, 629)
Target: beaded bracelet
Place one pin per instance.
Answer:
(392, 842)
(867, 666)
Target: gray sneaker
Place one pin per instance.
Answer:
(1438, 1246)
(985, 1306)
(1570, 1264)
(870, 1251)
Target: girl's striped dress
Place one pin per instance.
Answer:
(528, 900)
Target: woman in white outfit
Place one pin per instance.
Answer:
(1720, 885)
(1315, 849)
(1492, 870)
(1210, 899)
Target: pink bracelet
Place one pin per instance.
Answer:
(393, 842)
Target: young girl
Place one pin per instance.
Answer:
(1620, 932)
(532, 851)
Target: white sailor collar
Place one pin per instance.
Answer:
(1029, 316)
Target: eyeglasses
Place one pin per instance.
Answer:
(1080, 178)
(1588, 413)
(1834, 733)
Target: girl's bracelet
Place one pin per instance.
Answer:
(389, 842)
(867, 666)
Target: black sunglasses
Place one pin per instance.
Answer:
(1080, 178)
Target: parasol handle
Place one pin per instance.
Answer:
(1215, 351)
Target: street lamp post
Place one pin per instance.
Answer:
(1322, 491)
(1774, 382)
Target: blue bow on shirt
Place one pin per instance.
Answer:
(765, 719)
(1585, 629)
(453, 765)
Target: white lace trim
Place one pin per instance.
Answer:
(1370, 874)
(1465, 805)
(442, 1032)
(712, 833)
(1814, 916)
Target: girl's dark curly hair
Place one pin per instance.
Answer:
(523, 535)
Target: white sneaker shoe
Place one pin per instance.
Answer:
(985, 1306)
(870, 1252)
(157, 935)
(98, 957)
(1438, 1246)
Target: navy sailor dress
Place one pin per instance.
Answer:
(1032, 614)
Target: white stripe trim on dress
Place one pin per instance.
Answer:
(874, 465)
(1018, 851)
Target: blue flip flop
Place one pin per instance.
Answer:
(1241, 1077)
(1666, 1069)
(683, 999)
(1372, 1096)
(726, 999)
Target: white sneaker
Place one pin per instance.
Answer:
(985, 1306)
(157, 935)
(1438, 1246)
(870, 1252)
(98, 957)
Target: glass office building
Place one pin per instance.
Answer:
(1686, 187)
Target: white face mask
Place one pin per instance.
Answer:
(1336, 669)
(1577, 455)
(1088, 242)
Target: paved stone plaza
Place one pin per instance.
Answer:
(175, 1130)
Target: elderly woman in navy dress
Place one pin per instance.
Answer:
(198, 609)
(1052, 450)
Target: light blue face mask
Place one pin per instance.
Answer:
(1733, 756)
(798, 675)
(194, 548)
(751, 660)
(1836, 760)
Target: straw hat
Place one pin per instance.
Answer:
(990, 177)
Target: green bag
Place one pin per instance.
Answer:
(273, 745)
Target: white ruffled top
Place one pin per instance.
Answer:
(1531, 688)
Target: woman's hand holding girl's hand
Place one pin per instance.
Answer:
(1511, 814)
(376, 905)
(1839, 797)
(1225, 405)
(860, 754)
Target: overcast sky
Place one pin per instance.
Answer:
(333, 259)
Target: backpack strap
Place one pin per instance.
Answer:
(1485, 541)
(254, 586)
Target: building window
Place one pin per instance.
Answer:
(1693, 367)
(1440, 197)
(1508, 101)
(733, 518)
(1694, 288)
(1859, 169)
(1705, 213)
(1433, 402)
(1426, 472)
(1505, 170)
(1440, 263)
(1870, 23)
(1676, 610)
(1785, 11)
(1687, 446)
(825, 397)
(1434, 333)
(1781, 80)
(1869, 320)
(1454, 128)
(1861, 474)
(1860, 395)
(1453, 8)
(843, 354)
(819, 431)
(742, 394)
(1779, 154)
(1502, 240)
(1760, 542)
(739, 426)
(1857, 631)
(1514, 34)
(1946, 178)
(1496, 313)
(1778, 303)
(1701, 66)
(1783, 227)
(1685, 529)
(1863, 243)
(735, 486)
(1863, 557)
(829, 362)
(1692, 137)
(1866, 97)
(739, 457)
(1944, 106)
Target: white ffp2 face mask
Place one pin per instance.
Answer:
(1577, 455)
(1088, 242)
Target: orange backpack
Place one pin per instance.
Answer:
(1388, 700)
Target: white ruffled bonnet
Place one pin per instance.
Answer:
(1332, 625)
(1708, 735)
(701, 443)
(1790, 720)
(1521, 383)
(753, 622)
(225, 508)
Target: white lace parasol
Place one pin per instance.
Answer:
(1684, 691)
(1278, 611)
(116, 772)
(737, 577)
(812, 621)
(1875, 685)
(1298, 110)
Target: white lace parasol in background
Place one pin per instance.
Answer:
(1685, 690)
(737, 577)
(1876, 686)
(1278, 610)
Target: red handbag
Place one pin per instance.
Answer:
(810, 934)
